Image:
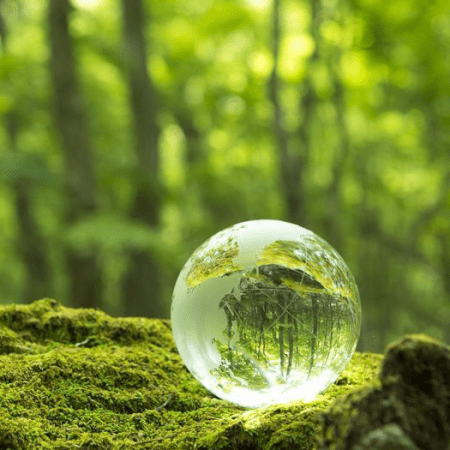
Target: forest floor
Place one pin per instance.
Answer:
(80, 379)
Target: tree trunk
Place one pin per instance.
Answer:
(293, 161)
(84, 271)
(30, 242)
(141, 282)
(291, 164)
(335, 217)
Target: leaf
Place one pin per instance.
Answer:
(224, 17)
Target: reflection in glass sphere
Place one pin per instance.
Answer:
(265, 312)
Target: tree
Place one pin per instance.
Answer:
(30, 240)
(31, 244)
(71, 121)
(141, 282)
(292, 164)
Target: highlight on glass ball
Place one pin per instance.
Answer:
(265, 312)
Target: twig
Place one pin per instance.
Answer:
(169, 398)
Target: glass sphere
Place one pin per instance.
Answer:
(265, 312)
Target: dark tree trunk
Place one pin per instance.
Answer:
(83, 269)
(294, 157)
(141, 286)
(291, 164)
(335, 217)
(31, 243)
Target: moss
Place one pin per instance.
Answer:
(413, 394)
(213, 262)
(387, 437)
(80, 379)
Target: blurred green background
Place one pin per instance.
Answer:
(132, 131)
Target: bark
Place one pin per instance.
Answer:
(294, 161)
(291, 165)
(30, 241)
(335, 217)
(85, 276)
(308, 99)
(141, 282)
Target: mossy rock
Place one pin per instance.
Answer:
(80, 379)
(409, 410)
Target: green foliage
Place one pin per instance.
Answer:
(114, 233)
(364, 100)
(25, 168)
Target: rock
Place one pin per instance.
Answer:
(421, 362)
(388, 437)
(80, 379)
(414, 395)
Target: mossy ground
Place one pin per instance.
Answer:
(80, 379)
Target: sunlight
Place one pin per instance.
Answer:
(261, 63)
(355, 68)
(294, 50)
(88, 4)
(259, 4)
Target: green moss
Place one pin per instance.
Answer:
(214, 262)
(80, 379)
(413, 395)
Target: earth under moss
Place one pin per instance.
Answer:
(80, 379)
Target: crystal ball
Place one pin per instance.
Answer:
(265, 312)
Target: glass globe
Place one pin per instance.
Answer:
(265, 312)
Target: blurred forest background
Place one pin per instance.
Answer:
(133, 130)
